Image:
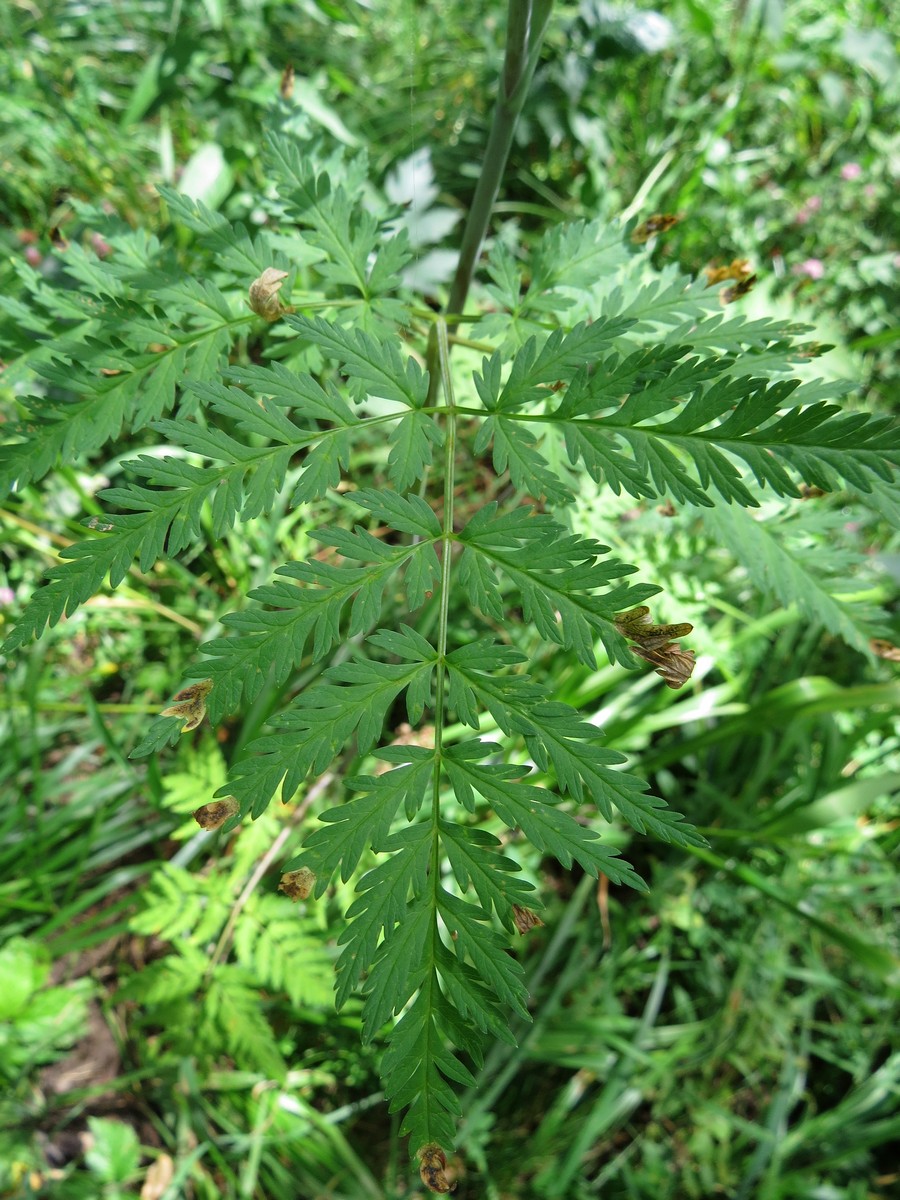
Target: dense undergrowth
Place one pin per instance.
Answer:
(728, 1031)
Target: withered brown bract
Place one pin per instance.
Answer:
(286, 88)
(741, 288)
(885, 649)
(637, 624)
(658, 223)
(432, 1168)
(738, 269)
(263, 294)
(671, 662)
(525, 920)
(216, 813)
(298, 885)
(190, 704)
(656, 644)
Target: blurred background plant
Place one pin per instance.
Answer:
(731, 1033)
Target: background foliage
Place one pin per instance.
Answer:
(710, 1037)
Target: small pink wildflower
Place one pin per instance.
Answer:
(851, 171)
(812, 268)
(7, 595)
(808, 209)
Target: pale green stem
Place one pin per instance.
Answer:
(526, 25)
(440, 681)
(447, 538)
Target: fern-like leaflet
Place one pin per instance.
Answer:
(654, 395)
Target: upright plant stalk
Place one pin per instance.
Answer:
(449, 481)
(526, 25)
(440, 679)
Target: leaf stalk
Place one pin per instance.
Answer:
(527, 23)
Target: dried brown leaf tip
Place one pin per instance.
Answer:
(433, 1168)
(739, 272)
(658, 223)
(216, 813)
(263, 295)
(637, 624)
(298, 885)
(525, 920)
(730, 294)
(674, 664)
(190, 704)
(885, 649)
(656, 646)
(738, 269)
